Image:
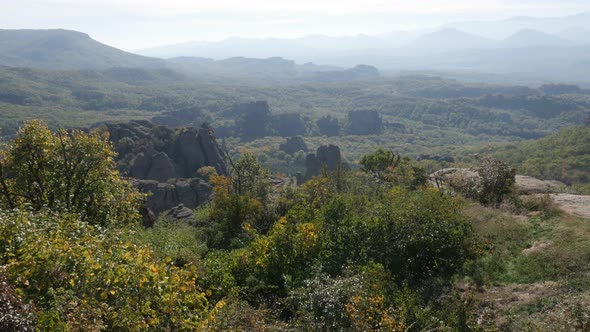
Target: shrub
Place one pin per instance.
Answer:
(83, 277)
(71, 172)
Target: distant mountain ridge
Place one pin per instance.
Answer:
(530, 37)
(449, 38)
(64, 50)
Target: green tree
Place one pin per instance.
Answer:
(389, 167)
(497, 180)
(65, 171)
(240, 200)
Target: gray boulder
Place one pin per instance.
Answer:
(180, 212)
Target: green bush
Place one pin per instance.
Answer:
(83, 277)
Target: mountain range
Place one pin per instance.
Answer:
(537, 48)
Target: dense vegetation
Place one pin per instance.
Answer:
(563, 156)
(269, 248)
(374, 249)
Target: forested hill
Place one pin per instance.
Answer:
(63, 49)
(563, 156)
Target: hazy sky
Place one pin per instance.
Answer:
(134, 24)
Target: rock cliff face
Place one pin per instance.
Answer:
(195, 148)
(152, 152)
(163, 163)
(163, 196)
(289, 124)
(326, 156)
(364, 123)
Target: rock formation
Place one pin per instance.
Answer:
(164, 196)
(254, 119)
(328, 126)
(289, 124)
(180, 212)
(195, 148)
(326, 156)
(151, 152)
(364, 123)
(293, 144)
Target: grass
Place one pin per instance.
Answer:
(556, 276)
(177, 240)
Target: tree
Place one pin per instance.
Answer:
(240, 200)
(70, 172)
(388, 167)
(496, 180)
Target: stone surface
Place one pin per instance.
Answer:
(326, 156)
(293, 144)
(153, 152)
(288, 124)
(578, 205)
(531, 185)
(180, 212)
(161, 168)
(196, 148)
(164, 196)
(364, 123)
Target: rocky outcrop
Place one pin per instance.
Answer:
(289, 124)
(254, 119)
(152, 152)
(327, 156)
(157, 166)
(164, 196)
(364, 123)
(530, 185)
(196, 148)
(180, 212)
(526, 185)
(328, 126)
(293, 144)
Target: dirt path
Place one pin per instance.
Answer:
(575, 204)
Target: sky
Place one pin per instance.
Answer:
(137, 24)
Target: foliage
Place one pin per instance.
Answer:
(15, 315)
(62, 171)
(176, 240)
(86, 277)
(417, 238)
(250, 178)
(496, 180)
(388, 167)
(563, 156)
(240, 201)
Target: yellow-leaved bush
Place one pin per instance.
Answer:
(66, 171)
(80, 276)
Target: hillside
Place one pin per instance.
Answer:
(449, 39)
(563, 156)
(529, 37)
(63, 49)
